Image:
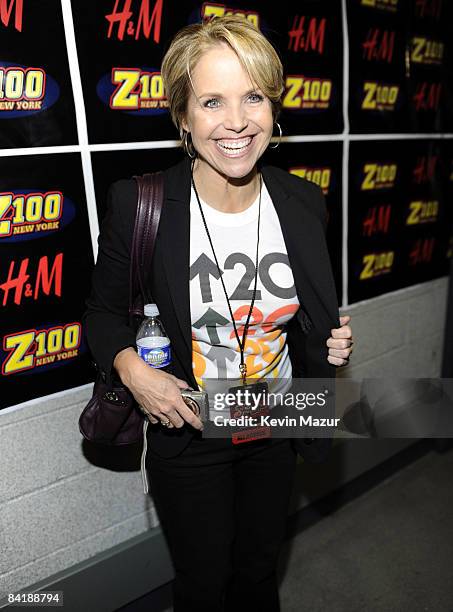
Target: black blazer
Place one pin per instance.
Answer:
(301, 210)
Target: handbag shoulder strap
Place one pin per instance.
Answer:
(149, 207)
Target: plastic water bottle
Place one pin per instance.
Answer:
(153, 344)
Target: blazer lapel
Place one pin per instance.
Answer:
(307, 252)
(175, 224)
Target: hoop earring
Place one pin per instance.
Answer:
(188, 146)
(275, 146)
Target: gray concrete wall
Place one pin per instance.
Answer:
(57, 508)
(60, 506)
(400, 333)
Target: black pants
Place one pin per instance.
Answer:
(223, 509)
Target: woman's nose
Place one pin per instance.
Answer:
(236, 118)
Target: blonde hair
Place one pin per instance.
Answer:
(254, 51)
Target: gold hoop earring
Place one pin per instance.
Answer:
(188, 146)
(275, 146)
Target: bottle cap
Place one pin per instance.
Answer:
(151, 310)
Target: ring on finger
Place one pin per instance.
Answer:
(142, 409)
(166, 423)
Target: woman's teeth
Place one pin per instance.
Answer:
(234, 146)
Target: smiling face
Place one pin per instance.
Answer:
(230, 120)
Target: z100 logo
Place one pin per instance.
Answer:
(422, 251)
(22, 88)
(34, 348)
(377, 221)
(426, 51)
(210, 10)
(6, 13)
(307, 36)
(320, 176)
(25, 91)
(379, 96)
(422, 212)
(134, 28)
(378, 176)
(307, 92)
(25, 214)
(376, 264)
(385, 5)
(134, 90)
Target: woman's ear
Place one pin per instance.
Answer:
(184, 125)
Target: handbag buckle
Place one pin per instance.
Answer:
(111, 396)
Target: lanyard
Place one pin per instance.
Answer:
(242, 365)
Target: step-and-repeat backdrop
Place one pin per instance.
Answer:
(368, 107)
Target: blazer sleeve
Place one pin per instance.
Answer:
(106, 317)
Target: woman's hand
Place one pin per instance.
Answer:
(340, 343)
(156, 392)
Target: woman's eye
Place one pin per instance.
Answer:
(254, 97)
(212, 103)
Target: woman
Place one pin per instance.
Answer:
(236, 241)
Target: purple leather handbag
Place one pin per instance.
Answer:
(112, 416)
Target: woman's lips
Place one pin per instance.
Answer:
(234, 147)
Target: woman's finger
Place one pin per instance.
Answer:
(339, 343)
(342, 354)
(169, 413)
(148, 415)
(337, 361)
(344, 319)
(189, 416)
(341, 332)
(181, 383)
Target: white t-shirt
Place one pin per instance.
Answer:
(215, 350)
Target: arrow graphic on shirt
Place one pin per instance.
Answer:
(220, 354)
(211, 319)
(204, 268)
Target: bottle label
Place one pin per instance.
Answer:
(156, 357)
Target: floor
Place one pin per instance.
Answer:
(388, 549)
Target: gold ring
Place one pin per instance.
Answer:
(166, 423)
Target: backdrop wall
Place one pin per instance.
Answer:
(367, 114)
(383, 157)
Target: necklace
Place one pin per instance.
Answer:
(242, 365)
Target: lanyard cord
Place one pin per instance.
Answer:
(242, 365)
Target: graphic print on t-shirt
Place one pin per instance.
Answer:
(215, 350)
